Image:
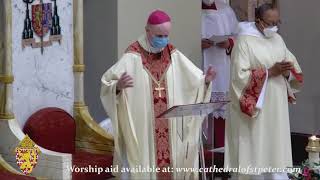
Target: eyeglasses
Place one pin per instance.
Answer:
(271, 24)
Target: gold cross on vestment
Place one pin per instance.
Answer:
(159, 89)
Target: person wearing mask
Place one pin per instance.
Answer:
(265, 76)
(151, 77)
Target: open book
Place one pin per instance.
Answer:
(218, 39)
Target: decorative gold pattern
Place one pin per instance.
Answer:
(78, 68)
(8, 168)
(26, 142)
(6, 79)
(6, 116)
(79, 104)
(27, 155)
(89, 135)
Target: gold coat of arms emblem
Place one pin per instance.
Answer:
(27, 154)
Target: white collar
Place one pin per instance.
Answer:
(249, 29)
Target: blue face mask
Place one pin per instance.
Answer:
(159, 42)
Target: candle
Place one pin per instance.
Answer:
(314, 138)
(313, 149)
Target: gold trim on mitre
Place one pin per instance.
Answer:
(79, 68)
(6, 79)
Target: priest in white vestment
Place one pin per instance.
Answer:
(151, 77)
(218, 19)
(265, 76)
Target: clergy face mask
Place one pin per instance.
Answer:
(158, 35)
(159, 41)
(269, 23)
(270, 31)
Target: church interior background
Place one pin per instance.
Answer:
(54, 96)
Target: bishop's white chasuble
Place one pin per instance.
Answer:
(160, 81)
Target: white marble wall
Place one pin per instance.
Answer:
(42, 80)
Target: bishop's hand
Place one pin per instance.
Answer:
(124, 82)
(210, 75)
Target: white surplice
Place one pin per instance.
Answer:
(218, 22)
(132, 113)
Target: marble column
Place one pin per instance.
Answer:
(78, 66)
(90, 136)
(6, 78)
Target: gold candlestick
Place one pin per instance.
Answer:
(313, 149)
